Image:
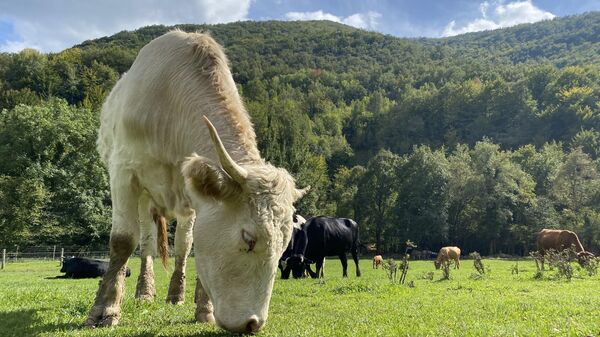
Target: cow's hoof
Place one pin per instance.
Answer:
(175, 299)
(97, 322)
(205, 317)
(144, 297)
(109, 321)
(145, 291)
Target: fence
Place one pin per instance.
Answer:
(55, 253)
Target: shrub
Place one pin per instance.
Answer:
(391, 268)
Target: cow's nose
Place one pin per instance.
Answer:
(253, 325)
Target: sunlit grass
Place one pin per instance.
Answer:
(501, 304)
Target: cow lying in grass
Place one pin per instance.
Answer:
(447, 255)
(81, 267)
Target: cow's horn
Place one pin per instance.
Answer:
(236, 172)
(301, 192)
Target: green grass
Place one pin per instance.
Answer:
(501, 304)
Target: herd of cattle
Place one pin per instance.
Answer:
(322, 236)
(179, 144)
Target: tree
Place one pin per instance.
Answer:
(421, 209)
(377, 195)
(55, 189)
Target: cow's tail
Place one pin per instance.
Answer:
(162, 239)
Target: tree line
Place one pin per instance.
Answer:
(402, 135)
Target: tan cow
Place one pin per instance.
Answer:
(377, 260)
(558, 240)
(166, 159)
(447, 255)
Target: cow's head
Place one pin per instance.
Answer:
(584, 257)
(243, 223)
(66, 263)
(298, 264)
(437, 264)
(298, 220)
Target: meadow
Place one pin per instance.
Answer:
(500, 304)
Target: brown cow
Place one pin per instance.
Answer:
(377, 260)
(446, 255)
(558, 240)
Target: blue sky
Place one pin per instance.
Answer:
(53, 25)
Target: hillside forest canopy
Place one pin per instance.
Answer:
(478, 140)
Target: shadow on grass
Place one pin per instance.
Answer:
(25, 323)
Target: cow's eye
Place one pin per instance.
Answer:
(249, 239)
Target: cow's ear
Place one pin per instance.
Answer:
(308, 261)
(208, 179)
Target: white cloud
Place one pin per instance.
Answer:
(58, 24)
(502, 15)
(368, 20)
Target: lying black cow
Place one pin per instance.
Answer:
(320, 237)
(81, 267)
(283, 266)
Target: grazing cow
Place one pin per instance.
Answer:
(447, 255)
(320, 237)
(377, 260)
(558, 240)
(82, 267)
(165, 158)
(297, 221)
(427, 254)
(416, 254)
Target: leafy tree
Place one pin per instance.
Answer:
(54, 188)
(377, 195)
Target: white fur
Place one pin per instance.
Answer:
(150, 123)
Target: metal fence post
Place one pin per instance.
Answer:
(53, 252)
(17, 254)
(62, 256)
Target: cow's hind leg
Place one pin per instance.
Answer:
(355, 258)
(344, 261)
(183, 245)
(204, 308)
(124, 235)
(145, 289)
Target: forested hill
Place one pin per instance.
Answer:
(478, 140)
(564, 41)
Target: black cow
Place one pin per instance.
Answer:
(285, 268)
(320, 237)
(81, 267)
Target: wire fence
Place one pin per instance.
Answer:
(53, 253)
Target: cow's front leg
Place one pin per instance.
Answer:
(320, 268)
(124, 235)
(204, 308)
(183, 245)
(145, 289)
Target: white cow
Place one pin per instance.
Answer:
(164, 157)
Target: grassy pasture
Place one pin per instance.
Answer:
(502, 304)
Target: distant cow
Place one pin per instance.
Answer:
(320, 237)
(81, 267)
(446, 255)
(377, 260)
(416, 254)
(298, 221)
(427, 254)
(558, 240)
